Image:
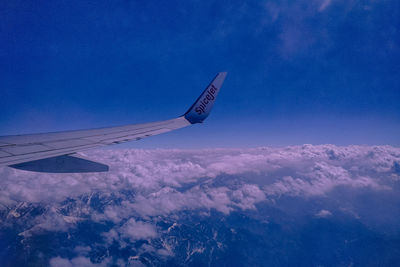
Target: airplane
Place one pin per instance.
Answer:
(56, 152)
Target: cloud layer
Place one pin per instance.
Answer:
(144, 186)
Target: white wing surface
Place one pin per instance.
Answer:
(54, 152)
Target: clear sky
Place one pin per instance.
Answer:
(307, 71)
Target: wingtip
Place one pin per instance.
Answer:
(200, 110)
(222, 74)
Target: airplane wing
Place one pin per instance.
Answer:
(55, 152)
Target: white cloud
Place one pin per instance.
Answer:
(134, 230)
(323, 214)
(318, 179)
(146, 184)
(324, 5)
(131, 231)
(304, 27)
(247, 196)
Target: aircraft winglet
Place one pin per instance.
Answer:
(200, 110)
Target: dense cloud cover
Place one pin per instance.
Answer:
(154, 202)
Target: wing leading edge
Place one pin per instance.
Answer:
(54, 152)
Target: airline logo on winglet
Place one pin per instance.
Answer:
(199, 111)
(210, 96)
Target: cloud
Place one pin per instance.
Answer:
(323, 214)
(306, 27)
(143, 185)
(320, 179)
(292, 28)
(163, 172)
(136, 230)
(169, 200)
(324, 5)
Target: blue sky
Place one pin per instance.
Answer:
(308, 71)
